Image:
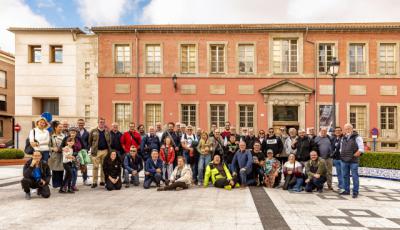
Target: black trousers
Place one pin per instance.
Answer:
(110, 186)
(68, 175)
(43, 190)
(176, 185)
(221, 183)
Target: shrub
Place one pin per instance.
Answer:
(384, 160)
(11, 154)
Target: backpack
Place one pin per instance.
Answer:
(28, 147)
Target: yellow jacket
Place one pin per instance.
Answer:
(212, 171)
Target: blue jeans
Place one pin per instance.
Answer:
(297, 187)
(156, 178)
(338, 166)
(243, 176)
(315, 183)
(74, 172)
(346, 168)
(204, 160)
(134, 179)
(45, 156)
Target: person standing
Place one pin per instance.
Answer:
(141, 131)
(159, 131)
(189, 142)
(36, 175)
(167, 155)
(39, 138)
(227, 132)
(100, 142)
(352, 147)
(323, 144)
(83, 134)
(56, 160)
(250, 139)
(112, 171)
(170, 132)
(116, 141)
(131, 138)
(289, 140)
(274, 142)
(149, 143)
(303, 145)
(242, 164)
(337, 139)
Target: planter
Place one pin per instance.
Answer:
(6, 162)
(389, 174)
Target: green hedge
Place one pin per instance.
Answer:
(11, 154)
(383, 160)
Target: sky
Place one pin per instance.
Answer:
(87, 13)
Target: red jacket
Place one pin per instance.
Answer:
(127, 141)
(171, 154)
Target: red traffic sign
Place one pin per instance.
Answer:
(17, 127)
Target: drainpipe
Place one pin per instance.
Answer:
(315, 79)
(137, 79)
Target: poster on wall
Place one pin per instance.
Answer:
(325, 116)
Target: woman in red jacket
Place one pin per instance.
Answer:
(167, 155)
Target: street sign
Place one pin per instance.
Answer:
(17, 127)
(374, 131)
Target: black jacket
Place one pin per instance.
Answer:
(250, 141)
(112, 168)
(116, 142)
(176, 140)
(274, 143)
(84, 138)
(304, 146)
(44, 168)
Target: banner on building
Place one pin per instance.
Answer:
(325, 116)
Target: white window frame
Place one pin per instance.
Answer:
(145, 103)
(146, 56)
(367, 117)
(121, 126)
(395, 58)
(209, 44)
(325, 62)
(281, 56)
(365, 59)
(209, 104)
(5, 79)
(115, 58)
(255, 120)
(181, 58)
(254, 62)
(397, 118)
(180, 109)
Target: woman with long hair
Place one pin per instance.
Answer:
(112, 171)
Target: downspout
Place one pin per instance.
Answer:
(137, 79)
(315, 79)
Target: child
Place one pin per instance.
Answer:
(167, 155)
(68, 165)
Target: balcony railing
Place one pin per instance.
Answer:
(358, 67)
(387, 67)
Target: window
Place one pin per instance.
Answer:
(3, 81)
(3, 103)
(285, 113)
(357, 59)
(246, 58)
(123, 115)
(217, 115)
(153, 114)
(284, 54)
(388, 121)
(246, 116)
(388, 145)
(217, 58)
(188, 114)
(326, 52)
(50, 106)
(87, 70)
(35, 54)
(56, 54)
(1, 129)
(87, 113)
(387, 58)
(188, 58)
(358, 118)
(153, 59)
(122, 59)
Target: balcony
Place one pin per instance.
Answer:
(358, 67)
(387, 67)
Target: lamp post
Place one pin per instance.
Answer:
(175, 82)
(333, 69)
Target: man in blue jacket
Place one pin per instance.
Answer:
(36, 175)
(242, 164)
(149, 142)
(133, 164)
(153, 170)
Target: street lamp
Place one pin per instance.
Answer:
(333, 69)
(175, 82)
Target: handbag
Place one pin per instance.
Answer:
(28, 147)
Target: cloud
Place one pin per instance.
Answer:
(268, 11)
(103, 12)
(45, 4)
(15, 13)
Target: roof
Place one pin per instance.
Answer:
(4, 53)
(253, 27)
(46, 29)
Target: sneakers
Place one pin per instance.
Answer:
(340, 190)
(70, 190)
(62, 190)
(102, 184)
(320, 190)
(75, 189)
(237, 185)
(27, 196)
(86, 183)
(127, 185)
(228, 187)
(94, 185)
(344, 193)
(355, 196)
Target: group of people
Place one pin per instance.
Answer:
(180, 156)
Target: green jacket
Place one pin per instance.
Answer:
(320, 164)
(212, 171)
